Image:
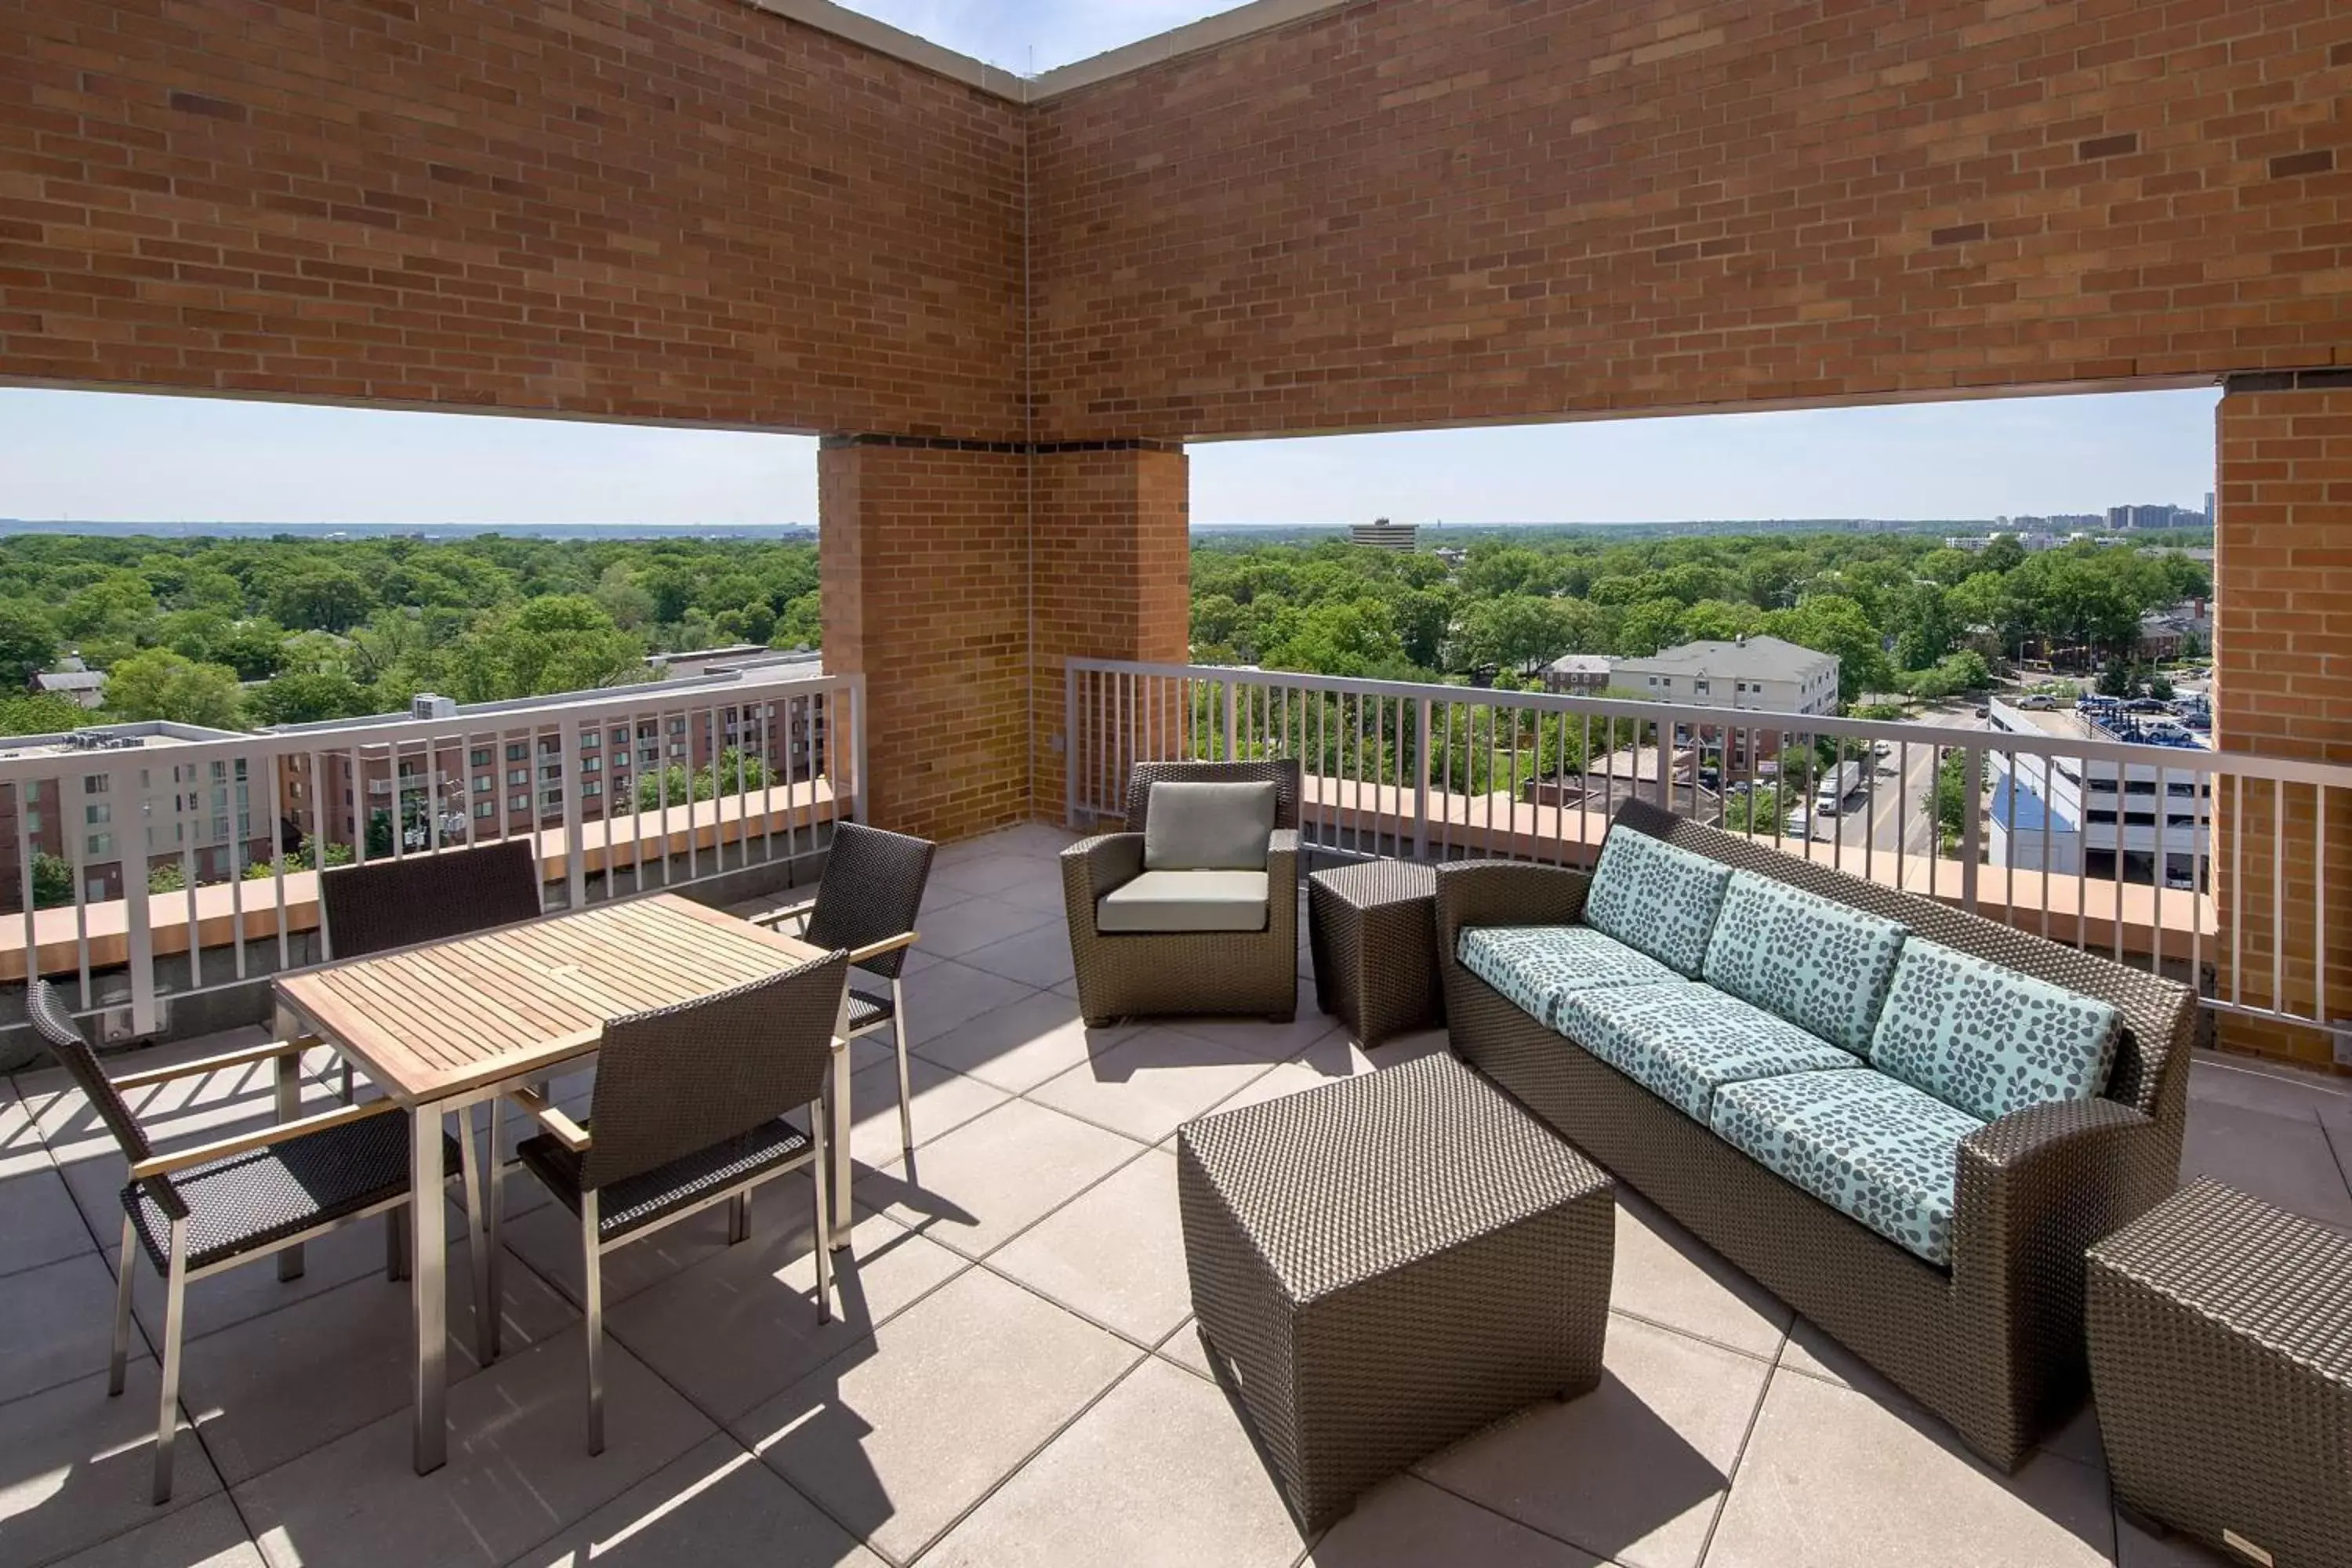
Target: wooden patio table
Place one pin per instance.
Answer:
(445, 1025)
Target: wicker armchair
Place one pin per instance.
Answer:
(233, 1200)
(866, 902)
(1993, 1343)
(1214, 972)
(689, 1111)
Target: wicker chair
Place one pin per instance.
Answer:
(1219, 971)
(233, 1200)
(1993, 1343)
(689, 1111)
(866, 903)
(399, 902)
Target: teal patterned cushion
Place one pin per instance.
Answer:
(1987, 1039)
(1535, 966)
(1816, 962)
(1868, 1145)
(1655, 898)
(1683, 1041)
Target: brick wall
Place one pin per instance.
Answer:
(1113, 580)
(2283, 647)
(691, 210)
(1403, 213)
(925, 569)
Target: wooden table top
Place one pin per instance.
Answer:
(447, 1017)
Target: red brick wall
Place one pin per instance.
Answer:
(687, 210)
(2283, 646)
(1113, 580)
(1403, 213)
(925, 569)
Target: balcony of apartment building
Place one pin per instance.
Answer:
(1007, 305)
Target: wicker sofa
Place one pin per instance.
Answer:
(1993, 1340)
(1130, 973)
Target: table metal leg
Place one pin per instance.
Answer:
(428, 1303)
(478, 1234)
(290, 1108)
(836, 1111)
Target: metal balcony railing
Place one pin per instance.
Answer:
(2211, 865)
(134, 931)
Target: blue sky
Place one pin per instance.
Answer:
(1036, 35)
(119, 458)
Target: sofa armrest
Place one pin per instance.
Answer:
(1504, 892)
(2036, 1189)
(1282, 853)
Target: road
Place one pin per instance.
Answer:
(1894, 814)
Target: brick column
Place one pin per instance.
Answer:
(2282, 680)
(923, 546)
(1113, 580)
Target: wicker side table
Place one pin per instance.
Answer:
(1372, 929)
(1387, 1263)
(2221, 1338)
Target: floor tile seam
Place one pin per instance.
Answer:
(1085, 1408)
(1105, 1127)
(1768, 1361)
(1740, 1455)
(156, 1513)
(8, 1274)
(1417, 1473)
(1140, 1151)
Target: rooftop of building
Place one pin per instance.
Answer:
(143, 735)
(1761, 658)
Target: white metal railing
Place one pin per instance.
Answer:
(192, 855)
(2212, 865)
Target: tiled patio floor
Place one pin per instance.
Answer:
(1016, 1382)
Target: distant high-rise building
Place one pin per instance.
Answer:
(1382, 535)
(2208, 508)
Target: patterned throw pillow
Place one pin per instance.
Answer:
(1536, 967)
(1816, 962)
(1656, 898)
(1989, 1040)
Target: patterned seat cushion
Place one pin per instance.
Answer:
(1819, 964)
(1871, 1146)
(1656, 898)
(1683, 1041)
(1988, 1040)
(1535, 966)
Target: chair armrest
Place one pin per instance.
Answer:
(1504, 892)
(779, 915)
(562, 1128)
(1093, 867)
(221, 1063)
(874, 950)
(260, 1137)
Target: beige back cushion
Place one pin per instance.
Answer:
(1208, 827)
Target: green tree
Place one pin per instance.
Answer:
(304, 859)
(44, 714)
(321, 597)
(307, 697)
(28, 643)
(2004, 554)
(1947, 800)
(167, 877)
(161, 684)
(736, 772)
(561, 643)
(53, 881)
(1831, 624)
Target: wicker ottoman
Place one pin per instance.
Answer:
(1372, 929)
(1388, 1262)
(2220, 1337)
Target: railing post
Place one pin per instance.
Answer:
(1421, 778)
(1972, 823)
(1070, 746)
(128, 816)
(575, 842)
(1232, 752)
(859, 812)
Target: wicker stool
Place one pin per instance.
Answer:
(1372, 929)
(1387, 1263)
(2221, 1334)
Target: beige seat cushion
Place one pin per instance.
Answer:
(1185, 900)
(1208, 827)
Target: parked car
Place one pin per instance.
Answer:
(2040, 702)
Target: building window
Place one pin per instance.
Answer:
(677, 725)
(592, 787)
(485, 808)
(517, 751)
(551, 744)
(553, 797)
(552, 771)
(481, 758)
(620, 737)
(517, 775)
(677, 748)
(102, 843)
(590, 740)
(482, 783)
(590, 764)
(519, 803)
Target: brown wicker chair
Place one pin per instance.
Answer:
(1994, 1343)
(1123, 973)
(689, 1111)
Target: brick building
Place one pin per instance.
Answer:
(1006, 304)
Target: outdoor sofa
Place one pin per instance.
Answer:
(1937, 1235)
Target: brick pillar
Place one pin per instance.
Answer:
(1113, 580)
(2282, 680)
(923, 547)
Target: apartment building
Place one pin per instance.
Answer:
(149, 813)
(2085, 817)
(1382, 535)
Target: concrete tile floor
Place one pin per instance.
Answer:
(1012, 1378)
